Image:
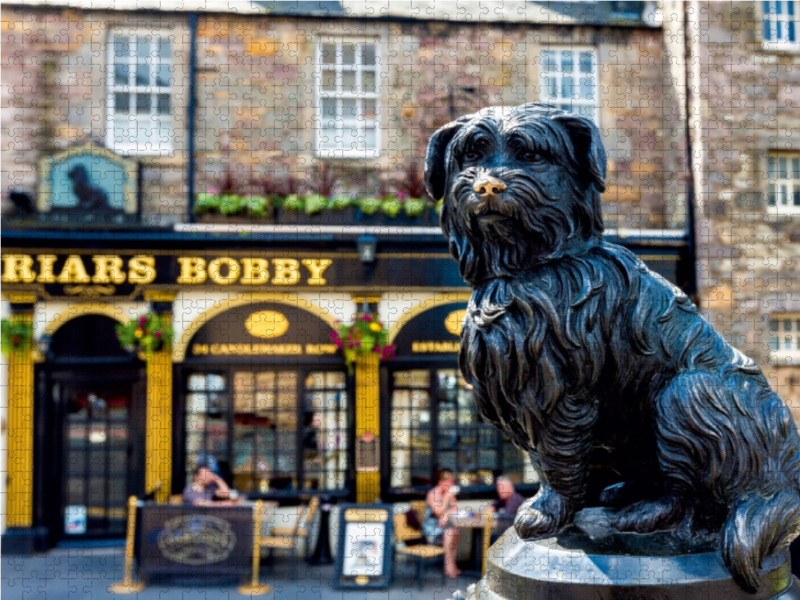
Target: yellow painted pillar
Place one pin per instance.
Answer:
(368, 480)
(158, 428)
(19, 490)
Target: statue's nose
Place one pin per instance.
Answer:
(488, 187)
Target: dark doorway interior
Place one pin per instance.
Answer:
(92, 414)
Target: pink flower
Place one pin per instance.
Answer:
(157, 334)
(366, 319)
(401, 196)
(212, 191)
(142, 320)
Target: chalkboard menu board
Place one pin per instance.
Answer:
(195, 540)
(366, 546)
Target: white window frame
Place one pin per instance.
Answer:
(341, 95)
(544, 95)
(775, 23)
(783, 183)
(784, 345)
(113, 88)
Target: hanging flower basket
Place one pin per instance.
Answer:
(148, 333)
(17, 334)
(364, 335)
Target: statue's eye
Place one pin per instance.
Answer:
(472, 155)
(532, 157)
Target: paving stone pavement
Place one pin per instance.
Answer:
(86, 574)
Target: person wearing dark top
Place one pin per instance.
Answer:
(508, 499)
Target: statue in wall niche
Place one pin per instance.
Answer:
(571, 343)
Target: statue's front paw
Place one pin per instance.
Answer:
(542, 516)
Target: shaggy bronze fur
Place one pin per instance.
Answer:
(572, 343)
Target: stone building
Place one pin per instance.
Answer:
(178, 125)
(745, 127)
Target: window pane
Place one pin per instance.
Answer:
(142, 74)
(163, 104)
(121, 74)
(368, 54)
(566, 61)
(122, 103)
(164, 48)
(348, 54)
(548, 60)
(164, 75)
(586, 62)
(371, 139)
(329, 81)
(143, 47)
(329, 54)
(122, 47)
(587, 88)
(349, 82)
(143, 104)
(567, 89)
(349, 109)
(368, 82)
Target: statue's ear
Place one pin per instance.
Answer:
(588, 146)
(435, 168)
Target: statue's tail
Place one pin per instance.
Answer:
(758, 527)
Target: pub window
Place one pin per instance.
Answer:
(569, 80)
(783, 173)
(780, 20)
(348, 86)
(435, 425)
(140, 93)
(271, 429)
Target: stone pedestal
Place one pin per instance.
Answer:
(591, 561)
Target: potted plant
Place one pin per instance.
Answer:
(16, 334)
(148, 333)
(364, 335)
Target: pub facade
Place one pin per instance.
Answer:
(109, 225)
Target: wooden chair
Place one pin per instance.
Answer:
(288, 541)
(422, 553)
(302, 528)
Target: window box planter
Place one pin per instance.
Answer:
(427, 218)
(326, 217)
(217, 218)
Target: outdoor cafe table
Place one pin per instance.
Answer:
(476, 523)
(212, 541)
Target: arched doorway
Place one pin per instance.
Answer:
(264, 392)
(432, 418)
(91, 414)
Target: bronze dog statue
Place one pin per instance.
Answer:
(571, 343)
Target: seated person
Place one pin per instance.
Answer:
(208, 489)
(506, 506)
(440, 503)
(508, 499)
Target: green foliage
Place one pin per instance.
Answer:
(258, 206)
(293, 202)
(340, 203)
(148, 333)
(315, 204)
(414, 207)
(364, 335)
(206, 203)
(369, 206)
(391, 206)
(15, 334)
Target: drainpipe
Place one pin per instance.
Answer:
(191, 110)
(693, 175)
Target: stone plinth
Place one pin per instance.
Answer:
(590, 561)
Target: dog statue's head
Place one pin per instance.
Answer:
(520, 185)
